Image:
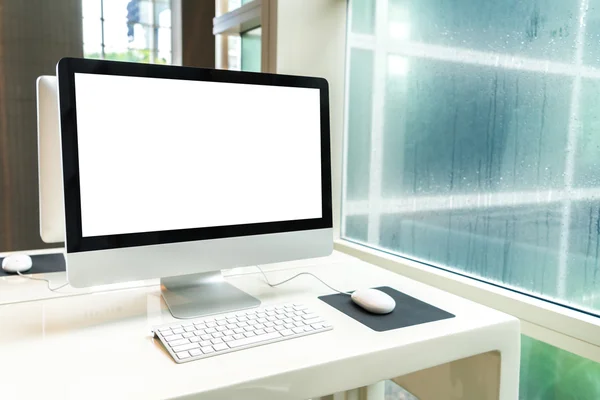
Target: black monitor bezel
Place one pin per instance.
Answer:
(76, 242)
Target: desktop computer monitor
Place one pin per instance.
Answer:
(176, 173)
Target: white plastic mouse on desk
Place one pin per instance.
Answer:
(17, 263)
(374, 301)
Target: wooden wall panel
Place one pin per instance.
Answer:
(34, 35)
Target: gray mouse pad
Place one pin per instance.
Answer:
(43, 263)
(409, 311)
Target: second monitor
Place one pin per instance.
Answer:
(177, 173)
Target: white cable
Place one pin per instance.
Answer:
(295, 276)
(45, 280)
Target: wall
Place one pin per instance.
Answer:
(34, 35)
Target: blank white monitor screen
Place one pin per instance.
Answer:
(177, 154)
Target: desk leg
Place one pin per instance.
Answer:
(472, 378)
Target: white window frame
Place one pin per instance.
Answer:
(254, 14)
(565, 328)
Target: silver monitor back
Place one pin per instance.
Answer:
(51, 203)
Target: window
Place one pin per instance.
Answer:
(239, 34)
(472, 140)
(127, 30)
(472, 144)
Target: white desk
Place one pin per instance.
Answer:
(99, 345)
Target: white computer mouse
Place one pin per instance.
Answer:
(374, 301)
(17, 263)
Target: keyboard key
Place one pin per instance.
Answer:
(238, 336)
(261, 320)
(290, 326)
(222, 322)
(269, 324)
(287, 332)
(308, 328)
(162, 330)
(249, 334)
(232, 326)
(261, 315)
(242, 324)
(196, 352)
(185, 347)
(215, 341)
(288, 320)
(210, 330)
(200, 332)
(217, 335)
(252, 322)
(298, 323)
(183, 355)
(252, 316)
(184, 325)
(206, 337)
(297, 318)
(272, 319)
(221, 328)
(195, 339)
(313, 321)
(298, 330)
(211, 325)
(232, 320)
(166, 332)
(269, 330)
(178, 342)
(260, 331)
(205, 343)
(239, 330)
(207, 349)
(290, 315)
(190, 328)
(242, 319)
(254, 339)
(173, 337)
(228, 332)
(270, 314)
(309, 316)
(188, 334)
(259, 326)
(279, 322)
(201, 326)
(318, 326)
(178, 330)
(221, 346)
(249, 329)
(228, 338)
(280, 328)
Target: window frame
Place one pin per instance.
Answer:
(252, 15)
(569, 329)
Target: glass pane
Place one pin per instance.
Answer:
(363, 16)
(251, 50)
(234, 52)
(472, 140)
(131, 30)
(549, 373)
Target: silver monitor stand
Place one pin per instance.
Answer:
(196, 295)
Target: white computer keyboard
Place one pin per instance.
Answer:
(218, 334)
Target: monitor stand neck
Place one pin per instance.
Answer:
(196, 295)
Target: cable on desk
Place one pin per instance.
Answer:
(45, 280)
(294, 277)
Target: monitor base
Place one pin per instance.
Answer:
(196, 295)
